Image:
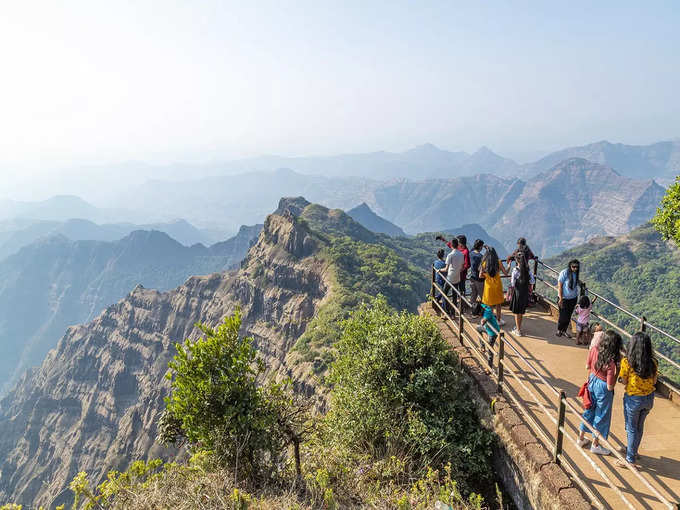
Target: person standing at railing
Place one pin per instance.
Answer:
(520, 279)
(567, 292)
(602, 366)
(438, 265)
(476, 283)
(490, 271)
(454, 262)
(638, 373)
(462, 247)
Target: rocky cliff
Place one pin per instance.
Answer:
(56, 282)
(94, 403)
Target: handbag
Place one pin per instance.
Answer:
(509, 293)
(584, 393)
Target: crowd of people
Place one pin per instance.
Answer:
(606, 362)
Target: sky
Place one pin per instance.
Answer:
(95, 83)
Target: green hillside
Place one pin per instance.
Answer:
(640, 272)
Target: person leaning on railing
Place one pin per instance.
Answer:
(476, 283)
(490, 271)
(567, 293)
(454, 262)
(638, 373)
(439, 265)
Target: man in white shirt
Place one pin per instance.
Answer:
(454, 264)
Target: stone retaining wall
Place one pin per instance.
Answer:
(521, 461)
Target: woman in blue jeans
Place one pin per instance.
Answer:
(602, 368)
(638, 374)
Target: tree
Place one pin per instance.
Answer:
(216, 402)
(667, 219)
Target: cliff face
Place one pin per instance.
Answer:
(55, 282)
(94, 403)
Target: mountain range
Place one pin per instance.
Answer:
(556, 209)
(19, 232)
(95, 401)
(427, 161)
(56, 282)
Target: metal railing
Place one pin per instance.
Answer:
(644, 323)
(510, 366)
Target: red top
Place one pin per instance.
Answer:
(466, 262)
(607, 373)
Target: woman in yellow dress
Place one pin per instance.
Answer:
(490, 271)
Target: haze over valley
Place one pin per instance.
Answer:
(270, 184)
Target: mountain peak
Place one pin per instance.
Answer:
(572, 165)
(366, 217)
(292, 205)
(426, 148)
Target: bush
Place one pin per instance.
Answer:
(398, 390)
(217, 404)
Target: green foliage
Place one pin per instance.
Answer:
(667, 219)
(398, 387)
(216, 400)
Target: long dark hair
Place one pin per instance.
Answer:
(523, 266)
(609, 349)
(641, 355)
(573, 276)
(491, 262)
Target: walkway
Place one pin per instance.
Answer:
(562, 363)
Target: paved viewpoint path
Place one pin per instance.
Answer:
(562, 364)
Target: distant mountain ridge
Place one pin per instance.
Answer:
(560, 208)
(55, 282)
(16, 233)
(659, 160)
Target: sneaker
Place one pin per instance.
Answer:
(599, 450)
(582, 442)
(623, 450)
(568, 335)
(623, 464)
(516, 332)
(559, 333)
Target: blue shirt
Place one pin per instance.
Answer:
(490, 321)
(439, 264)
(475, 262)
(568, 293)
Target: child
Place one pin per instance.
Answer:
(489, 321)
(598, 333)
(583, 310)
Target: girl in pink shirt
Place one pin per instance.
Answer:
(583, 309)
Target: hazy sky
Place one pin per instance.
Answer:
(101, 82)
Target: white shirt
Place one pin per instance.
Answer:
(455, 260)
(515, 276)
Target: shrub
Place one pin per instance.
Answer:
(216, 402)
(398, 390)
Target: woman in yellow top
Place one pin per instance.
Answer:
(490, 271)
(638, 373)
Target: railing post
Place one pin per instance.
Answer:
(501, 352)
(432, 290)
(460, 320)
(559, 437)
(643, 326)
